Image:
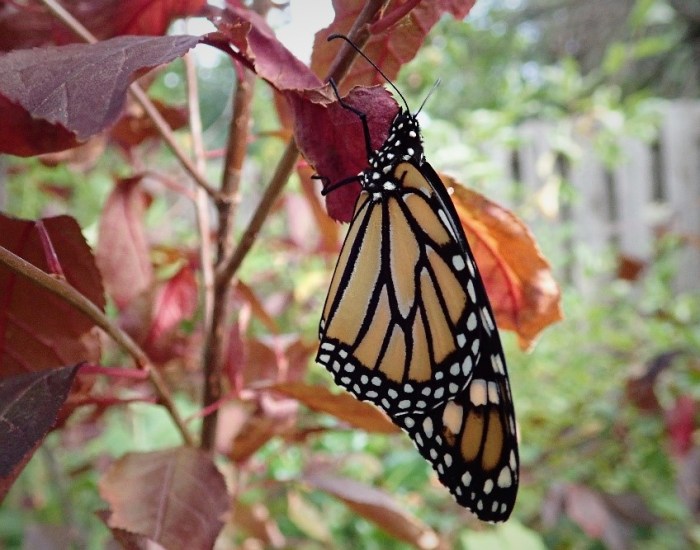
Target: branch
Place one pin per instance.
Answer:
(71, 296)
(339, 68)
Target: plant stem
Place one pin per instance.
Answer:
(70, 295)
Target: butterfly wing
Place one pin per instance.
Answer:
(399, 326)
(471, 441)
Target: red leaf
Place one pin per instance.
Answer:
(175, 301)
(29, 405)
(394, 38)
(260, 50)
(123, 254)
(522, 290)
(680, 424)
(38, 330)
(135, 126)
(341, 405)
(76, 91)
(332, 140)
(169, 496)
(375, 506)
(32, 25)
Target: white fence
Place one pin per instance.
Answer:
(655, 188)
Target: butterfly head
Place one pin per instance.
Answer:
(403, 144)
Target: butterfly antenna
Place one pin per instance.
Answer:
(359, 51)
(430, 92)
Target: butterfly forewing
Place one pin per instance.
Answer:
(398, 316)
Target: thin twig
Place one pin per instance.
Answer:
(216, 337)
(201, 203)
(137, 92)
(339, 68)
(71, 296)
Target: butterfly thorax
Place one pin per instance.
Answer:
(403, 144)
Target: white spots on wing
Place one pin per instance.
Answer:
(345, 380)
(343, 353)
(458, 262)
(328, 346)
(470, 290)
(324, 358)
(478, 393)
(433, 454)
(453, 388)
(487, 321)
(409, 422)
(376, 381)
(392, 393)
(461, 340)
(446, 223)
(497, 365)
(336, 366)
(389, 186)
(421, 404)
(466, 479)
(488, 486)
(467, 366)
(408, 388)
(471, 322)
(493, 393)
(439, 393)
(404, 404)
(439, 375)
(371, 394)
(427, 391)
(386, 404)
(349, 367)
(364, 379)
(454, 369)
(428, 427)
(511, 461)
(452, 417)
(356, 388)
(475, 346)
(448, 460)
(505, 479)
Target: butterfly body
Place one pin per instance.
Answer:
(408, 327)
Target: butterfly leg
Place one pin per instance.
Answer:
(360, 114)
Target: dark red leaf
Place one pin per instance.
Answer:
(332, 140)
(29, 405)
(135, 126)
(38, 330)
(260, 50)
(394, 38)
(81, 88)
(168, 496)
(27, 25)
(123, 253)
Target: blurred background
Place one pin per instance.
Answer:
(581, 117)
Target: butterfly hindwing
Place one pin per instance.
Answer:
(471, 441)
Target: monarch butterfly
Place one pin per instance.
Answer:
(407, 324)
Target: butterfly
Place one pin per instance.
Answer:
(407, 324)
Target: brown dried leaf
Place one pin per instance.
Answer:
(518, 279)
(377, 507)
(169, 496)
(341, 405)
